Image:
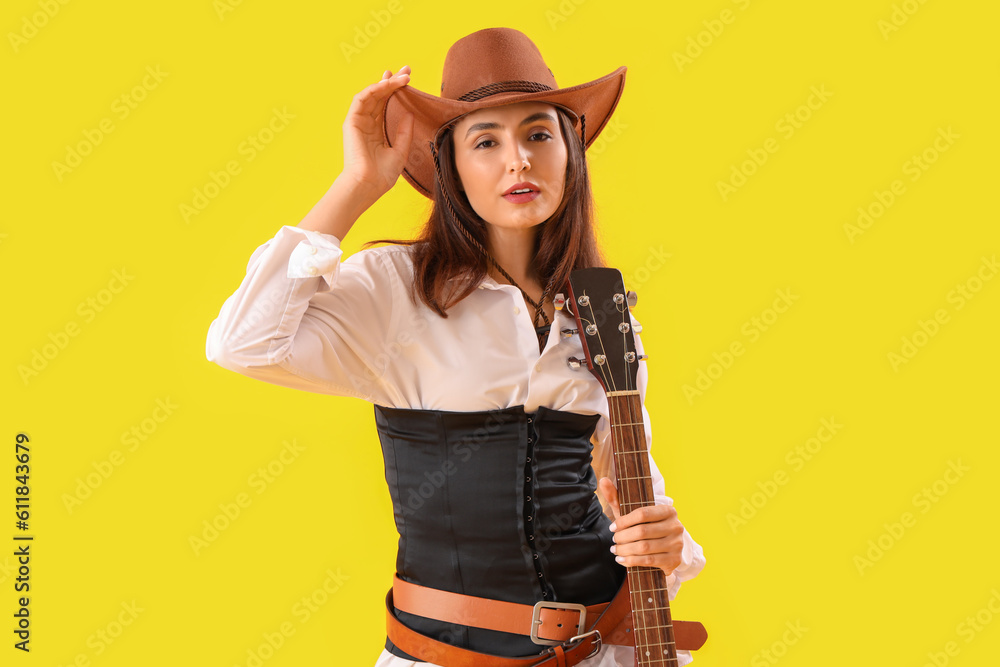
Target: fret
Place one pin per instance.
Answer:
(649, 590)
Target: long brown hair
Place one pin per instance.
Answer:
(447, 263)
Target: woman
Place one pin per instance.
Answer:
(492, 444)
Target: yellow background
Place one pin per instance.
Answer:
(682, 127)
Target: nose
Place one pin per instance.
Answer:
(518, 160)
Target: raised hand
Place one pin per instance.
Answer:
(367, 159)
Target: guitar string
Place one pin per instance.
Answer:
(605, 365)
(635, 413)
(663, 634)
(625, 333)
(639, 622)
(659, 631)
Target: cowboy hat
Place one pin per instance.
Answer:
(490, 68)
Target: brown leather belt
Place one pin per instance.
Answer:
(563, 626)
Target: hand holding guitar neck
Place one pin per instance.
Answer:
(651, 536)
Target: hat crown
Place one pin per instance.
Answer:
(491, 61)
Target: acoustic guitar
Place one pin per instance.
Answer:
(600, 305)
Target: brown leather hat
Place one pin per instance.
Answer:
(490, 68)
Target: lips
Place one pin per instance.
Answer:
(521, 186)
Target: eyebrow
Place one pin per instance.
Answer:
(541, 115)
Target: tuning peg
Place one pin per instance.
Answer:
(575, 363)
(559, 301)
(643, 357)
(632, 298)
(569, 333)
(637, 328)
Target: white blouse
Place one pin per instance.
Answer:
(304, 317)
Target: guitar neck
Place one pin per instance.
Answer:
(652, 626)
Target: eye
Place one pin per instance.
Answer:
(545, 136)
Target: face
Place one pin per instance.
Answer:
(499, 148)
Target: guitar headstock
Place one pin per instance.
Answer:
(600, 305)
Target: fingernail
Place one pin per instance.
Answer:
(614, 549)
(613, 527)
(619, 559)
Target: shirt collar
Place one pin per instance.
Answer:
(487, 283)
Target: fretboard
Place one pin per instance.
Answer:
(654, 633)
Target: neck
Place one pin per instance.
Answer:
(514, 250)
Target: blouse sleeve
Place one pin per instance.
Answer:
(303, 318)
(692, 557)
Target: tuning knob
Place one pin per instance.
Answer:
(642, 357)
(631, 297)
(559, 301)
(569, 333)
(637, 328)
(575, 363)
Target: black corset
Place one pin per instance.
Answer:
(497, 504)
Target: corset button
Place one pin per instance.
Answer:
(527, 479)
(536, 556)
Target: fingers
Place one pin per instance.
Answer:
(647, 537)
(369, 98)
(404, 135)
(646, 515)
(610, 494)
(664, 553)
(405, 69)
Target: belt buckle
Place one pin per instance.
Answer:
(597, 644)
(536, 620)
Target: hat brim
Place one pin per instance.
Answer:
(596, 99)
